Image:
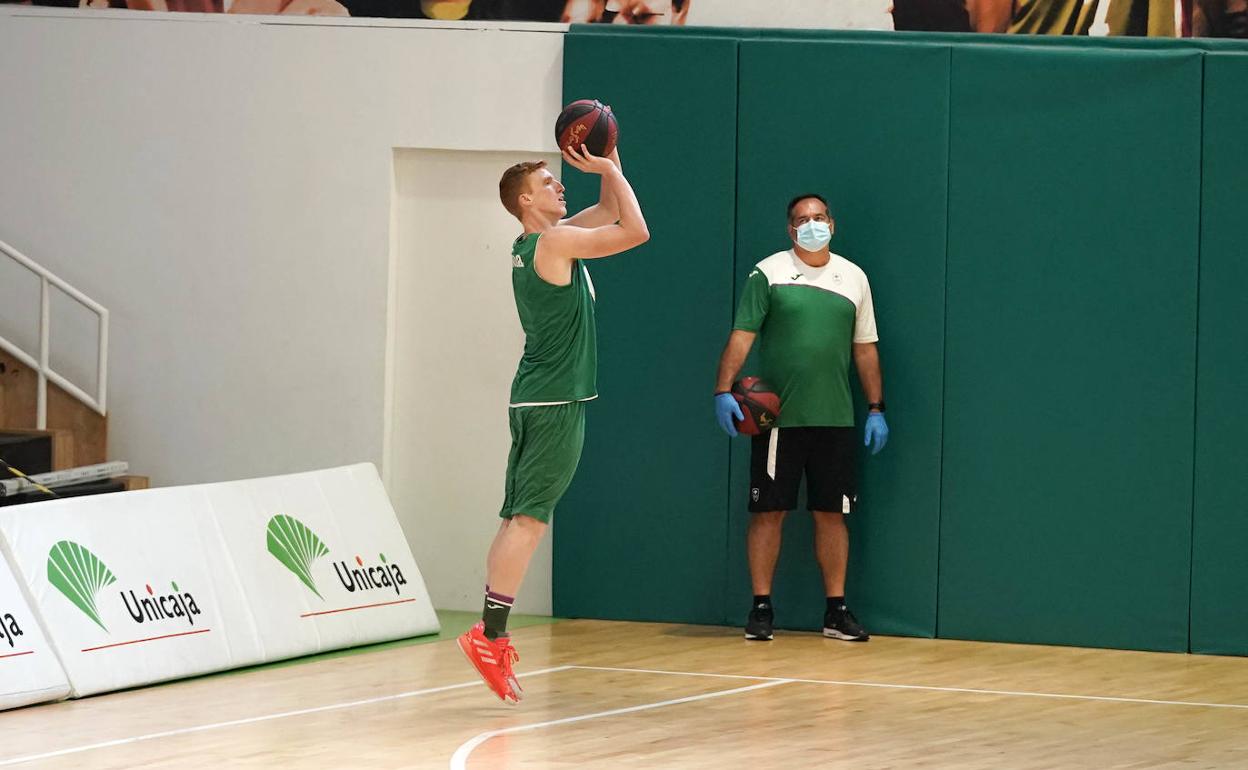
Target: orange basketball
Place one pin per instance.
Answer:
(588, 122)
(760, 405)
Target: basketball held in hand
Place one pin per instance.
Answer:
(760, 405)
(588, 122)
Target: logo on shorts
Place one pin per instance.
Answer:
(754, 494)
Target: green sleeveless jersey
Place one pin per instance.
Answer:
(560, 362)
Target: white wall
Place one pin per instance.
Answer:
(224, 186)
(457, 341)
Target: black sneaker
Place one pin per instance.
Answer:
(758, 624)
(841, 624)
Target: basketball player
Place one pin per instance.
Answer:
(556, 377)
(813, 312)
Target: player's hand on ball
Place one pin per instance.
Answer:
(583, 160)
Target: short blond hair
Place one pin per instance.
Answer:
(513, 183)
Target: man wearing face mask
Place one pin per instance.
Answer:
(812, 310)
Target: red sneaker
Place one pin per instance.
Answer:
(493, 661)
(510, 658)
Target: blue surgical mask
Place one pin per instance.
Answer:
(813, 235)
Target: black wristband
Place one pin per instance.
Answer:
(877, 405)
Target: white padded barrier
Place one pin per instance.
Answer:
(29, 670)
(146, 586)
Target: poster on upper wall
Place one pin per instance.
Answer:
(1150, 18)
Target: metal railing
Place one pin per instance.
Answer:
(40, 362)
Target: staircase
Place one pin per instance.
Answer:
(47, 422)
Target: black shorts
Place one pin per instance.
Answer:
(827, 457)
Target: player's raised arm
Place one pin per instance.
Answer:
(607, 210)
(567, 242)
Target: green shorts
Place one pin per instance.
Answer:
(546, 444)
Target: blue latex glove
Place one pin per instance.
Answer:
(876, 434)
(726, 408)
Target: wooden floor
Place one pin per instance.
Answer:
(635, 695)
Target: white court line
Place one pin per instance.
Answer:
(764, 681)
(263, 718)
(460, 759)
(972, 690)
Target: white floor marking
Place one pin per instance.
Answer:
(884, 685)
(461, 755)
(460, 758)
(262, 718)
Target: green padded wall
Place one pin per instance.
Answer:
(1220, 533)
(1042, 398)
(1070, 353)
(641, 533)
(866, 126)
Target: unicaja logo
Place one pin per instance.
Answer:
(366, 578)
(80, 576)
(9, 629)
(161, 606)
(296, 547)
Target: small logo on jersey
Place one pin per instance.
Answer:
(753, 273)
(794, 278)
(590, 281)
(754, 494)
(517, 261)
(836, 278)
